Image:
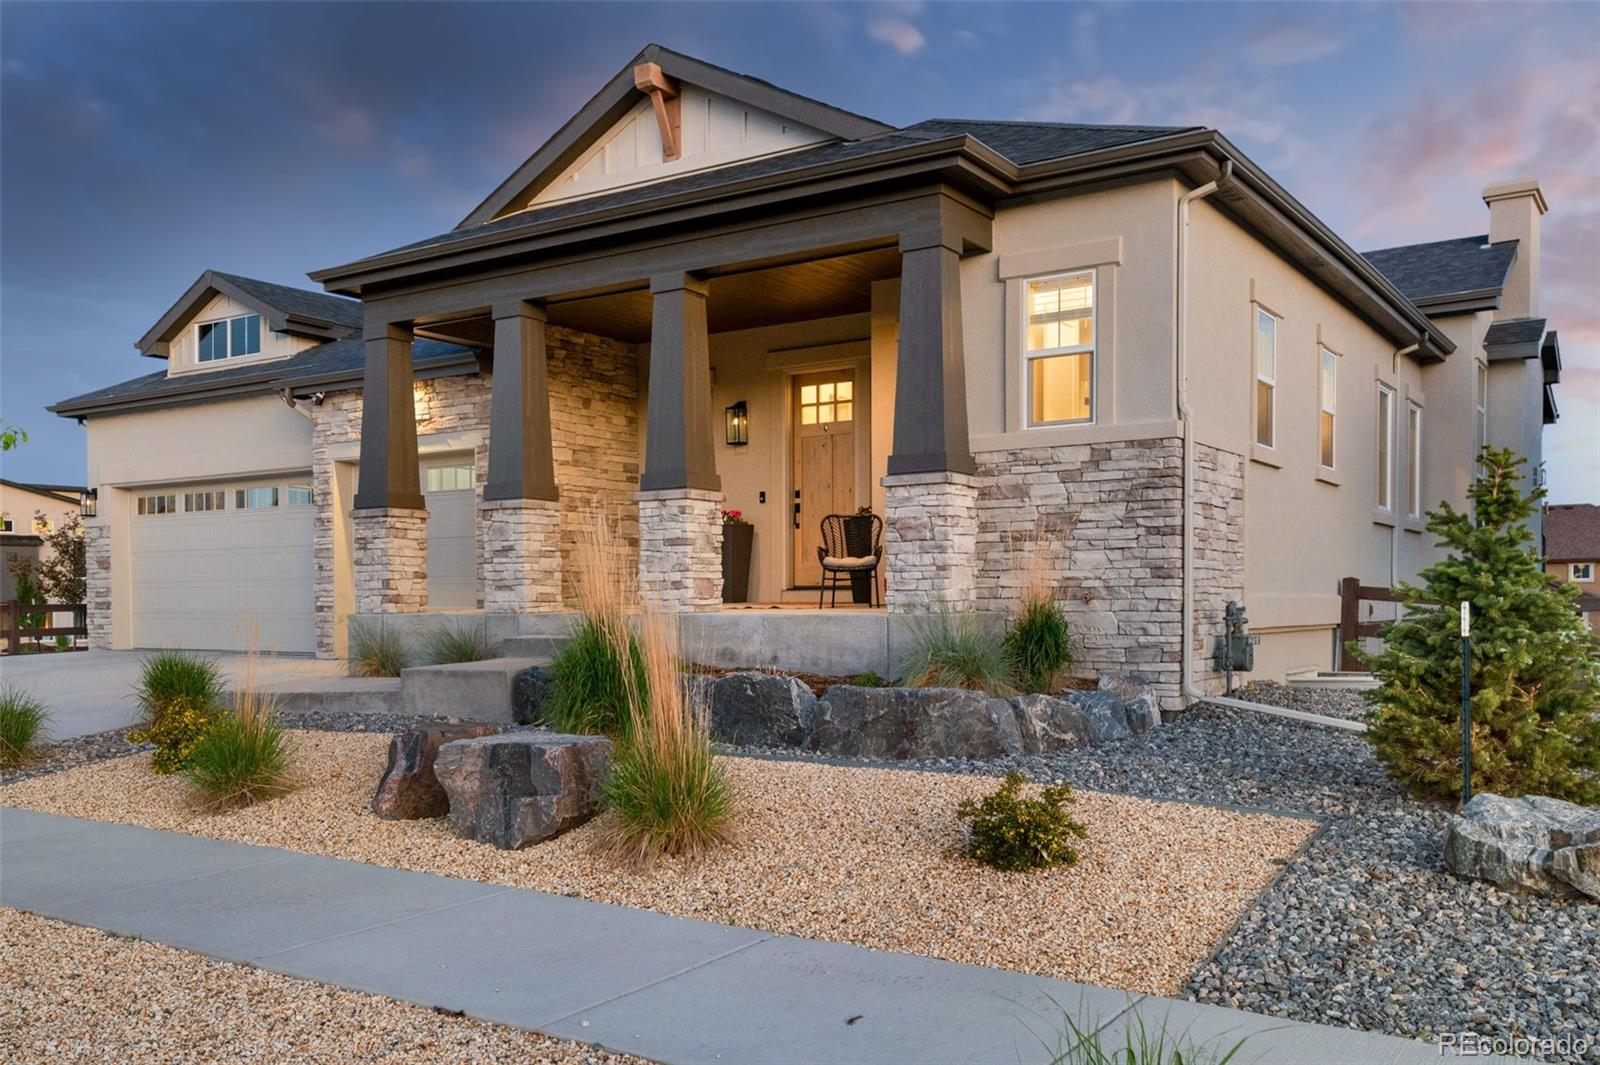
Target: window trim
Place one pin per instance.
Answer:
(1572, 571)
(1385, 442)
(1089, 349)
(1324, 355)
(227, 331)
(1271, 383)
(241, 497)
(1480, 408)
(1413, 459)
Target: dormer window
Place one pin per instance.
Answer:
(230, 338)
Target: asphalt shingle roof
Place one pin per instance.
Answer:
(1515, 331)
(1445, 267)
(1572, 532)
(299, 301)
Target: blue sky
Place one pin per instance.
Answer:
(141, 144)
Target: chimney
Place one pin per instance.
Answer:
(1514, 210)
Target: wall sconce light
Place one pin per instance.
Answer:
(738, 427)
(89, 506)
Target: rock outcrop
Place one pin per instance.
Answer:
(519, 788)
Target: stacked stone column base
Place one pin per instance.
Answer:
(931, 540)
(97, 585)
(680, 549)
(521, 555)
(391, 560)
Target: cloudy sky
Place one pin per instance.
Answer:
(141, 144)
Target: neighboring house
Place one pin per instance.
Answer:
(1572, 552)
(21, 530)
(988, 332)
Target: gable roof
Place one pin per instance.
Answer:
(620, 94)
(287, 310)
(1466, 273)
(62, 493)
(1572, 532)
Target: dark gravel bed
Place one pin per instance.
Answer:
(1329, 702)
(1364, 928)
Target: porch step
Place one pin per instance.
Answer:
(478, 691)
(538, 646)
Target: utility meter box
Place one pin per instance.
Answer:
(1237, 654)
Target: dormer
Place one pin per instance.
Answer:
(225, 320)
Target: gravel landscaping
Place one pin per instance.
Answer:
(72, 994)
(860, 855)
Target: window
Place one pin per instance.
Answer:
(5, 523)
(1414, 460)
(1385, 447)
(160, 504)
(1480, 410)
(230, 338)
(1581, 571)
(1328, 405)
(255, 498)
(1058, 349)
(830, 402)
(193, 502)
(448, 478)
(299, 495)
(1266, 376)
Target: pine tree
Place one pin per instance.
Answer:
(1535, 665)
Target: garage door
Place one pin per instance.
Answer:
(224, 567)
(452, 502)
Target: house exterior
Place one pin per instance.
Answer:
(1121, 355)
(22, 531)
(1572, 552)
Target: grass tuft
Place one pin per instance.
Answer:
(1136, 1043)
(177, 678)
(956, 652)
(457, 643)
(1039, 644)
(22, 721)
(244, 758)
(376, 650)
(588, 691)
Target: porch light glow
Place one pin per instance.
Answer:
(89, 506)
(738, 427)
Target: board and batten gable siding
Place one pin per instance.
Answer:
(184, 355)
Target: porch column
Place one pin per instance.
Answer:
(680, 495)
(931, 491)
(389, 521)
(520, 511)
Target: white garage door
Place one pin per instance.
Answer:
(452, 502)
(224, 567)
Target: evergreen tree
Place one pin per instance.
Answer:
(1535, 665)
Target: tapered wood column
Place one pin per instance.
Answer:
(679, 445)
(521, 459)
(388, 470)
(930, 402)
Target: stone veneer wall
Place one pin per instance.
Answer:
(680, 549)
(930, 542)
(97, 584)
(391, 560)
(594, 412)
(1106, 521)
(1218, 555)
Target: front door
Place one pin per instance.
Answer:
(824, 462)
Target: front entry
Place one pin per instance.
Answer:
(824, 462)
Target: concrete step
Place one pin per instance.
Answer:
(538, 646)
(348, 695)
(478, 691)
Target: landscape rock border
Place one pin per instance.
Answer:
(1539, 844)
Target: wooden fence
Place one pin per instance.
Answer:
(1352, 593)
(19, 622)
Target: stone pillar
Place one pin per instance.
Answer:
(391, 559)
(522, 555)
(931, 542)
(97, 585)
(680, 549)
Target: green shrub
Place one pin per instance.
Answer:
(1137, 1044)
(376, 650)
(869, 679)
(456, 643)
(22, 721)
(1535, 679)
(588, 691)
(955, 652)
(1015, 834)
(176, 731)
(1039, 644)
(177, 679)
(242, 759)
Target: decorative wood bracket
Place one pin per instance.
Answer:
(667, 103)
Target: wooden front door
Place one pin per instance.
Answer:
(824, 462)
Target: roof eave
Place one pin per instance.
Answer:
(1485, 299)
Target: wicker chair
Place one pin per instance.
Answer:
(852, 546)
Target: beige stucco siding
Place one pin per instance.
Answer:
(259, 434)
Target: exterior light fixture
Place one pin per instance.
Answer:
(738, 424)
(89, 505)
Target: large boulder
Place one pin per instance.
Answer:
(1047, 724)
(409, 789)
(761, 709)
(1536, 844)
(913, 723)
(1139, 702)
(522, 787)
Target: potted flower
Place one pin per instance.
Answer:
(738, 537)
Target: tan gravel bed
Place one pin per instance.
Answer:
(857, 855)
(71, 994)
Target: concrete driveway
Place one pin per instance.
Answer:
(92, 691)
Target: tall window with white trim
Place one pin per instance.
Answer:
(1266, 377)
(1327, 405)
(1058, 349)
(1414, 460)
(1385, 447)
(1480, 410)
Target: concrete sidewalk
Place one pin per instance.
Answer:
(662, 987)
